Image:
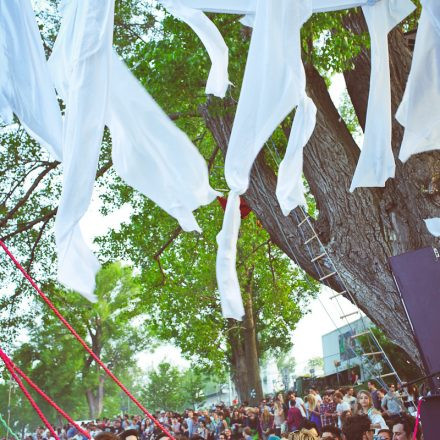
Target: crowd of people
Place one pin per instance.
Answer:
(342, 414)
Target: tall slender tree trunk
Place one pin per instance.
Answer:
(95, 399)
(244, 351)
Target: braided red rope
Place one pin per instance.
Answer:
(83, 343)
(44, 395)
(416, 427)
(9, 366)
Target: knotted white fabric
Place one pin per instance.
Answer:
(376, 162)
(25, 85)
(419, 111)
(80, 64)
(273, 84)
(149, 152)
(211, 38)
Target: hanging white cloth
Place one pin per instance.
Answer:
(419, 111)
(149, 152)
(376, 162)
(25, 85)
(274, 69)
(211, 38)
(80, 65)
(433, 226)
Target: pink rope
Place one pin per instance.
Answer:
(10, 367)
(45, 396)
(416, 427)
(83, 343)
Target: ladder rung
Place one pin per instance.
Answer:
(360, 334)
(310, 239)
(349, 314)
(318, 257)
(303, 221)
(388, 374)
(327, 276)
(338, 294)
(374, 353)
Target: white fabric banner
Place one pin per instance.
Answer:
(80, 64)
(227, 279)
(376, 162)
(149, 152)
(433, 225)
(211, 38)
(274, 69)
(419, 111)
(25, 85)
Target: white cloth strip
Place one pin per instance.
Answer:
(274, 68)
(227, 280)
(290, 187)
(25, 85)
(211, 38)
(151, 154)
(246, 7)
(80, 64)
(376, 162)
(419, 110)
(433, 225)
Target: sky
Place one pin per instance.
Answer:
(308, 333)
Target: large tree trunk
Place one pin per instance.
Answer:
(360, 230)
(95, 399)
(244, 352)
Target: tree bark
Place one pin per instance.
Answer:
(244, 351)
(360, 230)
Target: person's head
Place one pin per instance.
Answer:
(385, 434)
(381, 393)
(358, 427)
(305, 434)
(326, 398)
(312, 390)
(350, 391)
(371, 385)
(337, 397)
(330, 432)
(107, 436)
(247, 430)
(391, 388)
(280, 397)
(364, 401)
(228, 433)
(345, 415)
(312, 401)
(129, 434)
(403, 427)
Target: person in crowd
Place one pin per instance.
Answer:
(374, 395)
(106, 436)
(128, 434)
(385, 434)
(272, 435)
(299, 403)
(279, 418)
(354, 377)
(308, 431)
(294, 418)
(392, 404)
(365, 406)
(331, 432)
(247, 433)
(252, 422)
(327, 410)
(410, 398)
(314, 391)
(313, 410)
(341, 406)
(345, 415)
(350, 398)
(202, 431)
(266, 422)
(403, 427)
(358, 427)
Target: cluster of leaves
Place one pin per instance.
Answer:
(171, 389)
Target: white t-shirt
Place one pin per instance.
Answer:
(340, 408)
(300, 405)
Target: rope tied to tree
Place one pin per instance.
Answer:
(83, 343)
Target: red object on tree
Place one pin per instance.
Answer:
(245, 210)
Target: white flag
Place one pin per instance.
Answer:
(25, 86)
